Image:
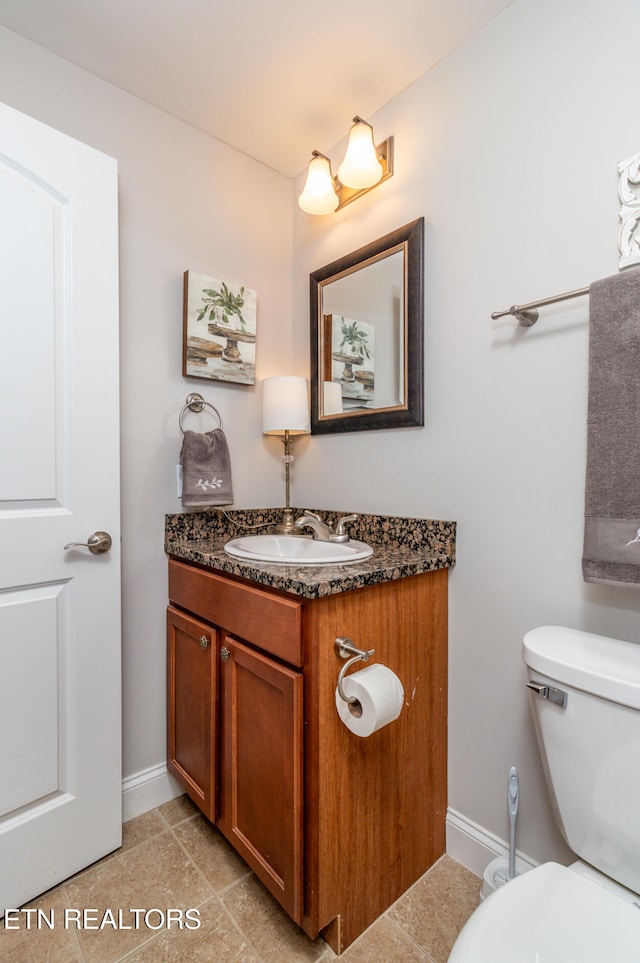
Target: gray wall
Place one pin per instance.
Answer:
(186, 202)
(509, 148)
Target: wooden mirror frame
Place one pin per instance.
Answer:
(411, 412)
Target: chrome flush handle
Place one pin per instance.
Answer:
(558, 696)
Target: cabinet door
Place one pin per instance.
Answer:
(261, 768)
(192, 707)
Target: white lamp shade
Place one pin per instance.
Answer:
(285, 405)
(332, 400)
(318, 195)
(360, 167)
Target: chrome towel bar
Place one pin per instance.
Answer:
(527, 315)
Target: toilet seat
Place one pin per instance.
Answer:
(550, 915)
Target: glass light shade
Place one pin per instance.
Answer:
(318, 195)
(360, 167)
(285, 405)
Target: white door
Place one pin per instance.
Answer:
(60, 754)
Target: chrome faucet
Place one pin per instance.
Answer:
(322, 531)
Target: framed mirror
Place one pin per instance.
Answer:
(367, 341)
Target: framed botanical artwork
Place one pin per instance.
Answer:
(219, 330)
(350, 359)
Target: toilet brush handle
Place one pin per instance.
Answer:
(513, 799)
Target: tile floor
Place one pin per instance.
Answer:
(172, 857)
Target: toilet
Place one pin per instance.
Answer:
(585, 698)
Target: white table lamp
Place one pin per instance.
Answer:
(285, 412)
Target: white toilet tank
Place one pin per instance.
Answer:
(590, 747)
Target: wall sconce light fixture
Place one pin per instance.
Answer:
(285, 412)
(365, 164)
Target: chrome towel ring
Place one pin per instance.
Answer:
(196, 402)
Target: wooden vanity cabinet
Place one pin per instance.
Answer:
(260, 764)
(192, 707)
(234, 720)
(336, 826)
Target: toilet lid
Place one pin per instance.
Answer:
(550, 915)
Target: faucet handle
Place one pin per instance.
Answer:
(308, 511)
(342, 522)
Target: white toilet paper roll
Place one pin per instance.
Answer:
(379, 692)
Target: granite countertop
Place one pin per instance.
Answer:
(402, 547)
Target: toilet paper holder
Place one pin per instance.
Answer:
(345, 648)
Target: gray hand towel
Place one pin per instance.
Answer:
(206, 469)
(612, 492)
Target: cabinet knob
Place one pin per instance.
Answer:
(224, 653)
(204, 642)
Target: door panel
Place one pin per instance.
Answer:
(261, 768)
(30, 694)
(192, 705)
(33, 292)
(60, 797)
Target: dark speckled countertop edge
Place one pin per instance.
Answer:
(402, 547)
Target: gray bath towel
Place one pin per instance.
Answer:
(206, 469)
(612, 492)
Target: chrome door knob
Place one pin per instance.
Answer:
(98, 543)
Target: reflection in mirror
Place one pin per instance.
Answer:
(368, 369)
(366, 336)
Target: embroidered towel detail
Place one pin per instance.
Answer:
(612, 491)
(206, 469)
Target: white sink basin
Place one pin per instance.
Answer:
(296, 549)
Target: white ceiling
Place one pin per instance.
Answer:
(272, 78)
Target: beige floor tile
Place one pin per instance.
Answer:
(383, 941)
(141, 828)
(178, 809)
(275, 937)
(217, 939)
(436, 908)
(39, 943)
(133, 832)
(181, 868)
(154, 875)
(211, 852)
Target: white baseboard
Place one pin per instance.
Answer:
(475, 847)
(147, 789)
(467, 842)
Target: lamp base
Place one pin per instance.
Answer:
(287, 525)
